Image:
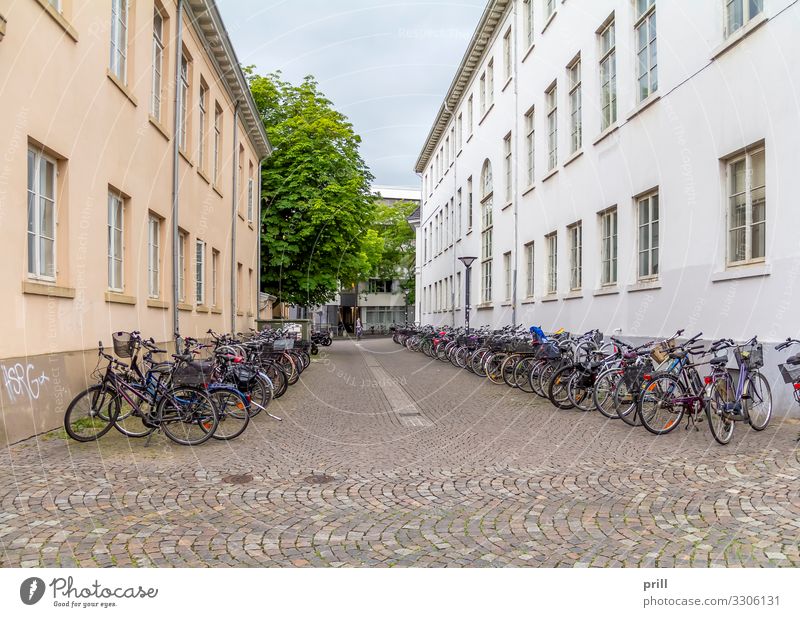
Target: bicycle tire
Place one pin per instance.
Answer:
(720, 425)
(558, 387)
(580, 397)
(761, 393)
(625, 404)
(98, 395)
(522, 374)
(233, 410)
(191, 415)
(659, 405)
(603, 393)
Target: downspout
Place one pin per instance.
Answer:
(258, 234)
(175, 162)
(234, 200)
(517, 195)
(449, 231)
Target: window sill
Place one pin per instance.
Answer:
(486, 306)
(507, 206)
(239, 313)
(611, 290)
(469, 232)
(157, 304)
(122, 88)
(250, 225)
(528, 52)
(737, 37)
(549, 20)
(528, 302)
(645, 285)
(745, 271)
(114, 297)
(550, 298)
(217, 190)
(182, 306)
(550, 174)
(469, 139)
(250, 313)
(486, 113)
(186, 157)
(59, 19)
(154, 121)
(613, 128)
(203, 175)
(44, 289)
(528, 190)
(202, 308)
(573, 157)
(240, 215)
(216, 311)
(505, 85)
(645, 104)
(575, 294)
(506, 304)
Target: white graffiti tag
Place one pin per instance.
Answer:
(22, 381)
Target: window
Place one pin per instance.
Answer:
(575, 111)
(452, 145)
(217, 142)
(154, 256)
(446, 153)
(203, 107)
(41, 216)
(458, 290)
(240, 193)
(508, 168)
(646, 50)
(608, 247)
(529, 145)
(459, 132)
(115, 239)
(486, 232)
(183, 238)
(739, 12)
(214, 276)
(552, 263)
(747, 209)
(460, 220)
(551, 96)
(575, 233)
(118, 63)
(469, 203)
(509, 275)
(482, 92)
(490, 83)
(158, 63)
(200, 272)
(529, 269)
(250, 194)
(648, 236)
(446, 226)
(375, 286)
(507, 55)
(184, 102)
(470, 115)
(56, 4)
(608, 76)
(549, 8)
(528, 21)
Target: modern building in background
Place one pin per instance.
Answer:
(624, 165)
(128, 189)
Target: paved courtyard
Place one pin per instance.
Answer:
(386, 458)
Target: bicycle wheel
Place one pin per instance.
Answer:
(494, 367)
(557, 388)
(187, 415)
(278, 378)
(260, 394)
(545, 376)
(759, 401)
(233, 413)
(580, 393)
(91, 414)
(130, 420)
(661, 404)
(522, 372)
(625, 404)
(603, 393)
(507, 369)
(533, 377)
(719, 423)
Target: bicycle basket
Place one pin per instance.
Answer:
(660, 353)
(124, 344)
(243, 376)
(598, 338)
(633, 375)
(548, 351)
(195, 373)
(283, 344)
(751, 356)
(791, 374)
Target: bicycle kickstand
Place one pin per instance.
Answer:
(149, 438)
(275, 417)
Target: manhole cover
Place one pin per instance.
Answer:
(238, 479)
(318, 478)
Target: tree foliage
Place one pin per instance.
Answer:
(318, 221)
(399, 244)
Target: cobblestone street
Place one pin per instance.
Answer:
(386, 458)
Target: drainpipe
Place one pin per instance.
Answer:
(175, 162)
(452, 213)
(234, 204)
(517, 195)
(258, 234)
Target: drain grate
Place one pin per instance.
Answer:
(318, 478)
(242, 478)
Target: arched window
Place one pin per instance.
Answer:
(486, 232)
(486, 180)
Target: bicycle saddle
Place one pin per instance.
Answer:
(719, 361)
(793, 360)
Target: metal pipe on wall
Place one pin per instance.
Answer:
(175, 163)
(234, 200)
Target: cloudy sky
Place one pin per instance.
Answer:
(385, 64)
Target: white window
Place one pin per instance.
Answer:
(575, 233)
(529, 270)
(549, 8)
(528, 21)
(608, 76)
(158, 62)
(250, 197)
(203, 120)
(470, 115)
(482, 93)
(446, 226)
(458, 290)
(486, 232)
(490, 83)
(41, 216)
(608, 247)
(446, 153)
(646, 50)
(529, 145)
(469, 203)
(214, 276)
(154, 256)
(115, 242)
(648, 236)
(509, 170)
(183, 238)
(119, 39)
(739, 12)
(217, 142)
(551, 97)
(459, 132)
(509, 275)
(184, 102)
(552, 262)
(56, 4)
(460, 220)
(200, 272)
(575, 106)
(452, 145)
(747, 208)
(508, 55)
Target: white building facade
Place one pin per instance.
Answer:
(628, 165)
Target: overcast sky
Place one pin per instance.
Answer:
(384, 64)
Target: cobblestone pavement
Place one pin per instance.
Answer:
(386, 458)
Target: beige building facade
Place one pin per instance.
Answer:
(130, 153)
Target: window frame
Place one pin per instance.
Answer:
(36, 236)
(214, 276)
(508, 55)
(154, 256)
(575, 96)
(609, 247)
(608, 68)
(529, 23)
(118, 61)
(203, 121)
(158, 65)
(218, 119)
(509, 283)
(183, 108)
(651, 249)
(551, 242)
(646, 19)
(508, 164)
(575, 237)
(115, 226)
(487, 227)
(530, 271)
(551, 103)
(530, 144)
(747, 157)
(183, 240)
(747, 17)
(199, 272)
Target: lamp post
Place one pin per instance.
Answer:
(467, 261)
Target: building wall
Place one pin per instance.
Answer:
(60, 98)
(716, 96)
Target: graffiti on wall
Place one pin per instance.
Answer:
(23, 382)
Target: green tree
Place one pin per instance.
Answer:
(317, 223)
(397, 259)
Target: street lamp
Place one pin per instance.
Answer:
(467, 261)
